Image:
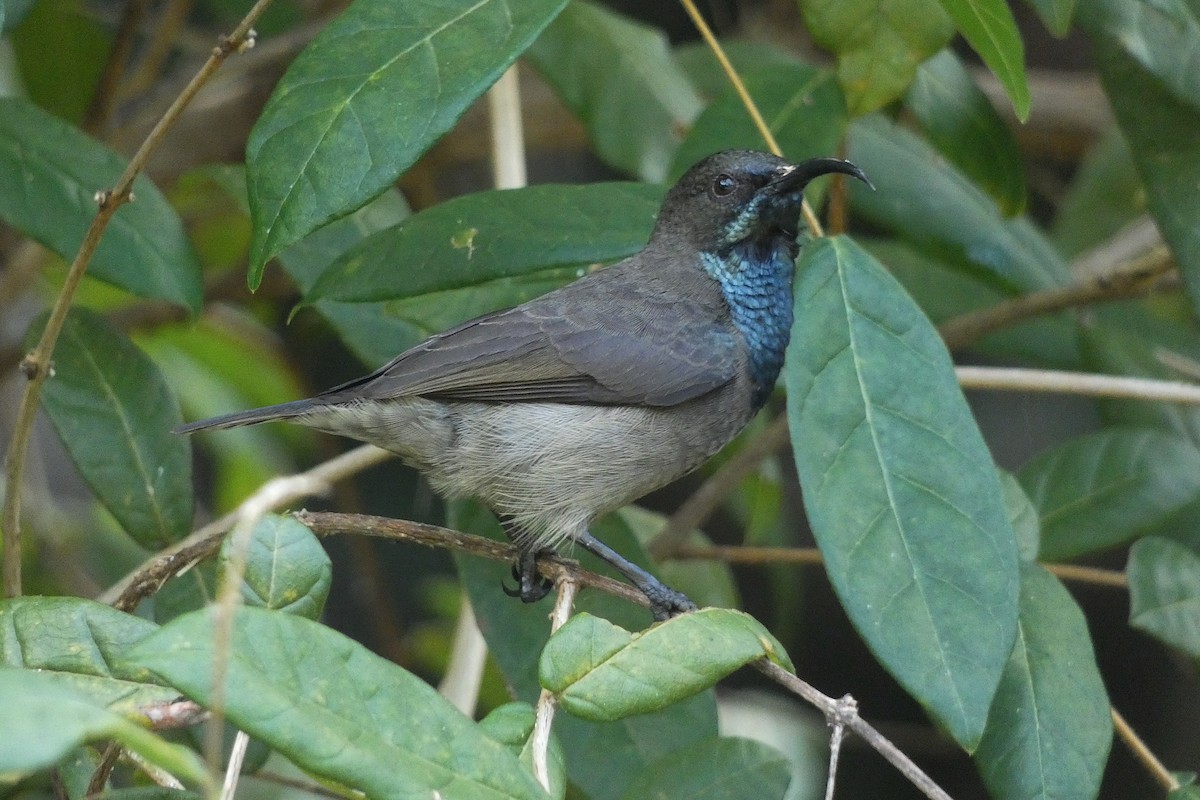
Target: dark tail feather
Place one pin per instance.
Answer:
(251, 417)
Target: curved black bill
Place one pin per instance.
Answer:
(805, 171)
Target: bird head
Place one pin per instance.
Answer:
(741, 197)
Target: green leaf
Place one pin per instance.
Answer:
(1056, 14)
(1104, 196)
(748, 56)
(878, 44)
(366, 99)
(923, 200)
(1146, 54)
(1050, 728)
(287, 569)
(602, 758)
(991, 30)
(512, 725)
(491, 235)
(620, 79)
(963, 124)
(1106, 488)
(1022, 515)
(706, 582)
(720, 768)
(114, 412)
(54, 172)
(899, 487)
(77, 644)
(311, 693)
(1164, 592)
(602, 672)
(802, 106)
(44, 721)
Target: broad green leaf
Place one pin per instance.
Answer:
(963, 124)
(992, 32)
(602, 758)
(922, 199)
(490, 235)
(1104, 196)
(1050, 728)
(878, 44)
(287, 569)
(78, 645)
(802, 106)
(602, 672)
(1022, 515)
(1056, 14)
(312, 694)
(1147, 54)
(371, 93)
(61, 48)
(114, 412)
(512, 725)
(44, 721)
(54, 172)
(1106, 488)
(619, 77)
(1164, 592)
(720, 768)
(899, 486)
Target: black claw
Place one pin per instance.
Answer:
(531, 586)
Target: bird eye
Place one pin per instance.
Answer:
(723, 185)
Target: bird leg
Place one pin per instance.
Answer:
(531, 586)
(665, 602)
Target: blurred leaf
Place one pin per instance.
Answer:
(12, 12)
(114, 413)
(720, 768)
(361, 103)
(287, 569)
(1022, 515)
(1056, 14)
(1106, 488)
(54, 173)
(1164, 592)
(923, 200)
(1104, 196)
(1050, 728)
(149, 793)
(878, 44)
(619, 77)
(706, 582)
(44, 721)
(992, 32)
(602, 758)
(602, 672)
(495, 234)
(61, 48)
(963, 124)
(512, 725)
(77, 644)
(1147, 54)
(747, 56)
(802, 106)
(900, 488)
(310, 693)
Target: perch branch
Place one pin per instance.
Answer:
(1142, 753)
(542, 723)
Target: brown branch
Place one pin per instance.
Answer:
(103, 98)
(1143, 753)
(36, 365)
(1134, 279)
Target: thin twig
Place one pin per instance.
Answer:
(845, 713)
(36, 365)
(1143, 753)
(540, 741)
(1095, 576)
(1082, 383)
(697, 508)
(233, 769)
(848, 706)
(468, 654)
(1130, 280)
(104, 97)
(764, 130)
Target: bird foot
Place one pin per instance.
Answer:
(531, 586)
(666, 602)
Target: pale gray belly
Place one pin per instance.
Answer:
(552, 467)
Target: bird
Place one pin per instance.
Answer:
(580, 401)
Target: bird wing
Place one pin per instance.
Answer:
(606, 341)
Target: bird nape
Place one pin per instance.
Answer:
(582, 400)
